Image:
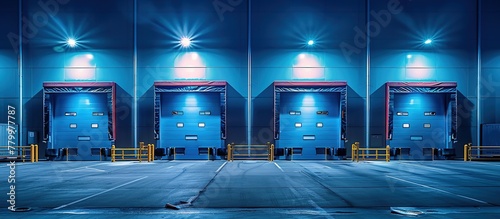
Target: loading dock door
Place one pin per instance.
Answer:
(190, 121)
(80, 121)
(78, 116)
(420, 121)
(421, 115)
(310, 121)
(310, 118)
(190, 118)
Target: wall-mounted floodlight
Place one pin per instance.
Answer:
(310, 42)
(428, 41)
(71, 42)
(185, 42)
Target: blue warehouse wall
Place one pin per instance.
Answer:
(398, 53)
(275, 50)
(280, 32)
(104, 53)
(490, 65)
(9, 68)
(218, 52)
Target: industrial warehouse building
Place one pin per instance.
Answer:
(250, 108)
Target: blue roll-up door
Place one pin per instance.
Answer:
(420, 121)
(80, 121)
(309, 122)
(190, 122)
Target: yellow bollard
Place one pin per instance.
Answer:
(149, 152)
(466, 152)
(152, 153)
(353, 150)
(36, 153)
(113, 153)
(272, 152)
(388, 153)
(357, 151)
(32, 153)
(229, 152)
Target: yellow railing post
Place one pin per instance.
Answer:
(231, 148)
(272, 152)
(151, 153)
(468, 152)
(32, 153)
(352, 152)
(355, 152)
(36, 153)
(269, 156)
(465, 152)
(388, 153)
(376, 155)
(113, 153)
(67, 154)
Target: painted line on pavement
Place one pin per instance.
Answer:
(278, 167)
(439, 190)
(94, 195)
(221, 166)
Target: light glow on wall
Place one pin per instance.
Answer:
(419, 66)
(81, 67)
(189, 65)
(307, 66)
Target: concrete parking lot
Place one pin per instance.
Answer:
(254, 189)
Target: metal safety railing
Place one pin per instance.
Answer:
(370, 153)
(481, 152)
(20, 152)
(250, 152)
(140, 153)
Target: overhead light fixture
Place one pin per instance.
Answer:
(71, 42)
(310, 43)
(428, 41)
(185, 42)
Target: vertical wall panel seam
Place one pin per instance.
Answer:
(249, 94)
(479, 71)
(368, 42)
(20, 64)
(135, 128)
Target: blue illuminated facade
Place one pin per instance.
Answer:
(250, 44)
